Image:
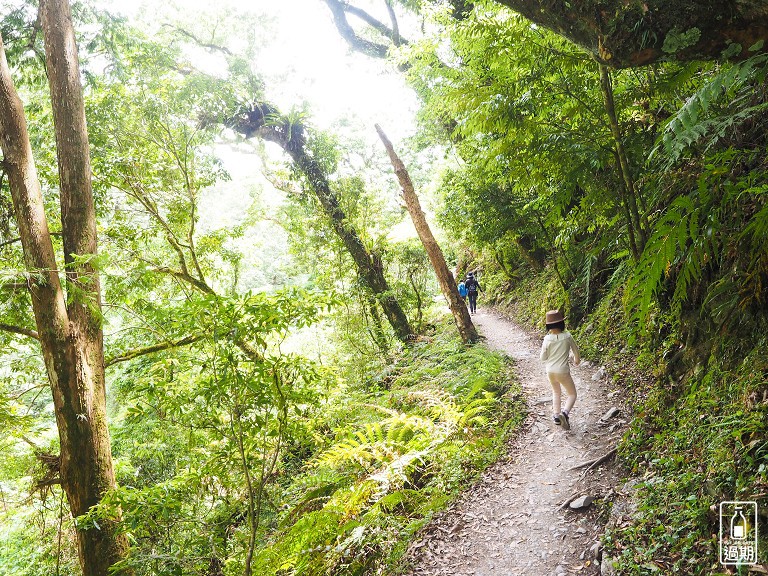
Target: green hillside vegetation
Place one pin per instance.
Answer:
(698, 436)
(370, 453)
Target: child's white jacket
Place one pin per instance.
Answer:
(555, 351)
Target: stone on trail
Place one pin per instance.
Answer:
(581, 502)
(599, 375)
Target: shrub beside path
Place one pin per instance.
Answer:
(517, 519)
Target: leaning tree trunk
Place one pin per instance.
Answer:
(444, 277)
(265, 121)
(70, 334)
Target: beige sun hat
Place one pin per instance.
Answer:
(553, 317)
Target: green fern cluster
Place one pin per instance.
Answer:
(707, 247)
(716, 109)
(401, 456)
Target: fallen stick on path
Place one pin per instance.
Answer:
(595, 462)
(570, 499)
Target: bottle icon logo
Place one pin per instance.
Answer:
(738, 533)
(738, 524)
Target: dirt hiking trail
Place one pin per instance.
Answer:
(517, 518)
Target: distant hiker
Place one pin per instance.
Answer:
(463, 292)
(473, 287)
(555, 351)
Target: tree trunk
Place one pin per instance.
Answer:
(376, 329)
(290, 137)
(70, 334)
(634, 223)
(444, 277)
(627, 33)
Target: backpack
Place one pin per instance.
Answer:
(462, 289)
(471, 285)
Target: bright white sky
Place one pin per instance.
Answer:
(306, 60)
(303, 60)
(335, 81)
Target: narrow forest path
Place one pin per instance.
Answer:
(512, 521)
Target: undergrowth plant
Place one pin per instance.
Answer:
(405, 444)
(695, 444)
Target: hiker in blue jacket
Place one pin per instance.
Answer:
(463, 292)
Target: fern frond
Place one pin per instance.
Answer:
(440, 404)
(699, 118)
(379, 442)
(311, 500)
(473, 414)
(401, 431)
(395, 474)
(373, 433)
(669, 239)
(397, 498)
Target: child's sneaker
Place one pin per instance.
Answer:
(557, 419)
(564, 421)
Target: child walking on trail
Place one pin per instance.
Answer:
(555, 351)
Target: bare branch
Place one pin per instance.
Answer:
(130, 355)
(593, 463)
(19, 330)
(392, 33)
(395, 28)
(201, 43)
(339, 11)
(136, 191)
(199, 284)
(27, 391)
(9, 242)
(14, 240)
(13, 286)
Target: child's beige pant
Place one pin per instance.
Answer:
(564, 380)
